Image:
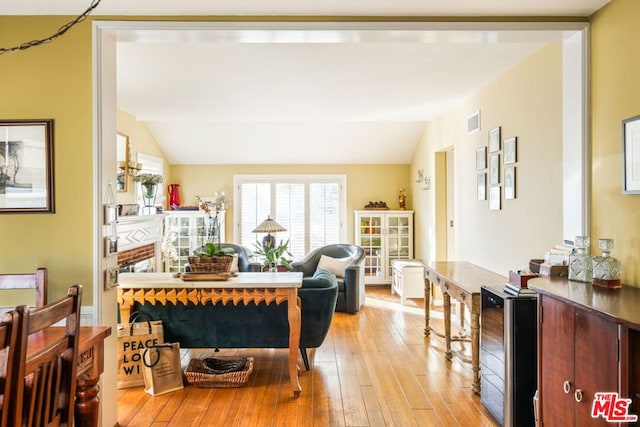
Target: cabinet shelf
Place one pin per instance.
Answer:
(190, 230)
(385, 236)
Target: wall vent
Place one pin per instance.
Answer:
(473, 122)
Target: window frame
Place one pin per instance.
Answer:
(341, 179)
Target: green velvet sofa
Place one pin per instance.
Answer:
(250, 326)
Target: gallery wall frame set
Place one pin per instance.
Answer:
(488, 183)
(26, 166)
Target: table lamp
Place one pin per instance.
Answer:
(269, 226)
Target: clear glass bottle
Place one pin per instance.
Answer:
(606, 269)
(580, 262)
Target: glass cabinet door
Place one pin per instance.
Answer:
(371, 241)
(384, 236)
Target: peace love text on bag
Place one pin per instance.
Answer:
(132, 338)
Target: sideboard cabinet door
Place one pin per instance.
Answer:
(578, 356)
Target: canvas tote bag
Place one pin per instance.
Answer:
(133, 337)
(161, 368)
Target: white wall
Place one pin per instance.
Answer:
(526, 102)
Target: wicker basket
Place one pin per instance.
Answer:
(210, 264)
(198, 375)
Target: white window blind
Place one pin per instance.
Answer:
(311, 207)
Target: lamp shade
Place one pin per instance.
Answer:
(269, 226)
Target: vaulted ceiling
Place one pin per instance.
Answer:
(308, 93)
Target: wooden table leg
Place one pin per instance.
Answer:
(294, 339)
(462, 331)
(446, 308)
(427, 304)
(475, 343)
(125, 308)
(87, 403)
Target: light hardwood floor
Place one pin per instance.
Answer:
(375, 368)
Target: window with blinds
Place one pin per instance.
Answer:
(311, 207)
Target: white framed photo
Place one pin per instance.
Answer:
(110, 245)
(494, 198)
(494, 169)
(481, 158)
(482, 186)
(510, 182)
(494, 140)
(110, 278)
(110, 213)
(509, 154)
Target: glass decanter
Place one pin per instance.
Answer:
(606, 269)
(580, 262)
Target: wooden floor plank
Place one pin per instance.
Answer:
(375, 368)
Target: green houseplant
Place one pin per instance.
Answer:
(211, 258)
(274, 255)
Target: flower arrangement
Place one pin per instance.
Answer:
(219, 203)
(148, 178)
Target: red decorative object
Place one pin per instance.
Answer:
(174, 195)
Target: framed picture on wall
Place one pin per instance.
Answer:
(481, 158)
(510, 150)
(482, 186)
(510, 182)
(494, 140)
(494, 198)
(26, 172)
(494, 169)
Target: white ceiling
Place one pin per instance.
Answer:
(306, 94)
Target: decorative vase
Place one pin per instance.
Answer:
(149, 193)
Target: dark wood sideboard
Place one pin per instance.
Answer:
(588, 342)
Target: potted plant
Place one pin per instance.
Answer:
(149, 183)
(274, 256)
(211, 258)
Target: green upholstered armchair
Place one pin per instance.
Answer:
(244, 257)
(252, 325)
(350, 281)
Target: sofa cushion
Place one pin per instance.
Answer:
(333, 265)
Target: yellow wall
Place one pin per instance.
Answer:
(52, 81)
(364, 183)
(615, 90)
(525, 102)
(140, 141)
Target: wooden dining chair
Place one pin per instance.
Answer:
(46, 379)
(36, 281)
(9, 329)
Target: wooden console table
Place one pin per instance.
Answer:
(462, 281)
(269, 288)
(90, 367)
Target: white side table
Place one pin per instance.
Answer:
(407, 279)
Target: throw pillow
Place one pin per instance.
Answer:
(333, 265)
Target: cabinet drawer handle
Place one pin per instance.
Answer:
(566, 387)
(578, 395)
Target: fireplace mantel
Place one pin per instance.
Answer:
(135, 231)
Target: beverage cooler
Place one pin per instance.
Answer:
(508, 354)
